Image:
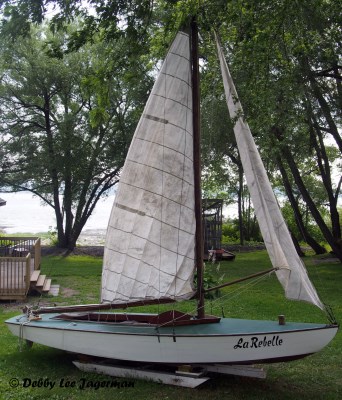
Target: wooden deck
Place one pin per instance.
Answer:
(20, 259)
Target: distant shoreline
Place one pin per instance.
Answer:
(92, 237)
(89, 237)
(24, 212)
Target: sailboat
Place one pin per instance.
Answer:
(154, 247)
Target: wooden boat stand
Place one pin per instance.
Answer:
(184, 376)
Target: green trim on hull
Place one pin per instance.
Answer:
(226, 327)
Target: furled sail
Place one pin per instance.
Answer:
(149, 249)
(292, 273)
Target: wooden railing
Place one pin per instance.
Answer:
(20, 247)
(15, 275)
(19, 256)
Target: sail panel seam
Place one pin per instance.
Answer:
(176, 78)
(144, 283)
(149, 241)
(167, 147)
(173, 100)
(157, 169)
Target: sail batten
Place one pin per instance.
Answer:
(291, 271)
(149, 249)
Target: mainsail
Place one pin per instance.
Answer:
(149, 249)
(292, 272)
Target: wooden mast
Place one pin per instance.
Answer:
(197, 167)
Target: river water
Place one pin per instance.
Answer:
(24, 213)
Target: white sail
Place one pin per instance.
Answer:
(149, 249)
(292, 273)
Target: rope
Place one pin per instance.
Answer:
(21, 335)
(238, 291)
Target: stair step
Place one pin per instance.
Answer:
(41, 280)
(35, 275)
(47, 285)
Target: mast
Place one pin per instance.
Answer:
(197, 167)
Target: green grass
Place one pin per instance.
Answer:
(315, 377)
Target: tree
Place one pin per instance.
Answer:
(66, 121)
(302, 227)
(115, 19)
(286, 64)
(285, 60)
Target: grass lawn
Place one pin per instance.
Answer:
(315, 377)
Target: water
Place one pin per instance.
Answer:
(24, 213)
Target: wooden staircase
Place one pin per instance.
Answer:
(39, 283)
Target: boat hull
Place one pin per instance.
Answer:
(228, 342)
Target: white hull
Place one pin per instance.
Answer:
(177, 347)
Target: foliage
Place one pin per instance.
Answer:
(230, 232)
(285, 60)
(286, 67)
(114, 18)
(67, 121)
(210, 279)
(52, 236)
(310, 225)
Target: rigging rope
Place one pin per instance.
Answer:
(238, 291)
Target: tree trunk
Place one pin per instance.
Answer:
(53, 171)
(318, 249)
(297, 245)
(324, 106)
(324, 167)
(335, 243)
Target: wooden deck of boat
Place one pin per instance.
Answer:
(227, 326)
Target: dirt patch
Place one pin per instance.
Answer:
(67, 292)
(94, 251)
(36, 301)
(327, 259)
(238, 248)
(31, 301)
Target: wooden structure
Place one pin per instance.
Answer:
(183, 376)
(20, 259)
(212, 231)
(212, 224)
